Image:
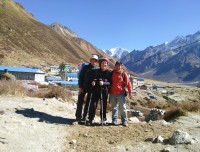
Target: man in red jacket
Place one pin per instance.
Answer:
(120, 80)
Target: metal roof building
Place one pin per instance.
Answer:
(23, 73)
(53, 79)
(68, 83)
(71, 76)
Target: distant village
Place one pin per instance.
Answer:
(67, 75)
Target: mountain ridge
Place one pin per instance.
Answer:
(175, 61)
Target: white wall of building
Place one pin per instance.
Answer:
(39, 77)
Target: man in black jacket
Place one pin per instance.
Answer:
(83, 90)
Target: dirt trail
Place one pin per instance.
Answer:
(33, 124)
(115, 138)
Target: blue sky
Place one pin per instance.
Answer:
(130, 24)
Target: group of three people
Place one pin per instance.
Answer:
(98, 83)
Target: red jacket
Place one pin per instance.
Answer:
(118, 82)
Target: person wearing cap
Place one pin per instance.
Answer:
(120, 80)
(100, 81)
(83, 90)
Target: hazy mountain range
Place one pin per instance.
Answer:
(174, 61)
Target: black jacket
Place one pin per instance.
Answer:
(83, 75)
(98, 75)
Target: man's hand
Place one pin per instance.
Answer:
(130, 96)
(101, 83)
(93, 83)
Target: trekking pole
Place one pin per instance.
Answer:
(87, 115)
(88, 109)
(101, 108)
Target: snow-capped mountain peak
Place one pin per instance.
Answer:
(117, 52)
(166, 43)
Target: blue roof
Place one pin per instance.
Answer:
(73, 80)
(53, 79)
(159, 86)
(140, 79)
(71, 74)
(66, 82)
(20, 69)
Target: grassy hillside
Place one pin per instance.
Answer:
(26, 41)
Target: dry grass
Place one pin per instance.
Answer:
(52, 92)
(153, 104)
(174, 113)
(15, 88)
(181, 109)
(173, 109)
(9, 87)
(190, 106)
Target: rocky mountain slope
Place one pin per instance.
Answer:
(176, 61)
(85, 45)
(26, 41)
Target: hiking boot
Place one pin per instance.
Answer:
(89, 123)
(83, 119)
(103, 122)
(125, 124)
(114, 123)
(78, 121)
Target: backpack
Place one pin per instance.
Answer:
(80, 67)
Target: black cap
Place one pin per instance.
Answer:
(118, 62)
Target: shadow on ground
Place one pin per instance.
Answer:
(44, 117)
(2, 140)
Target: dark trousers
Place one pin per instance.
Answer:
(80, 105)
(96, 96)
(87, 104)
